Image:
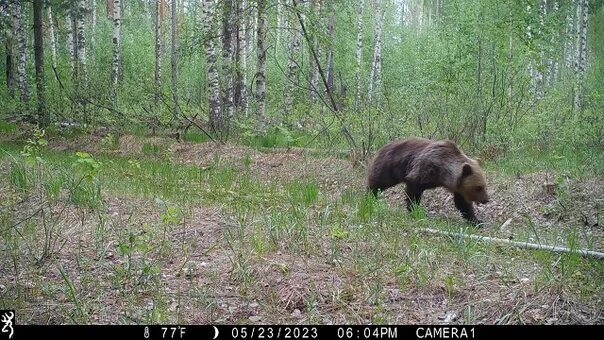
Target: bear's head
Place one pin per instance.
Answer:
(472, 184)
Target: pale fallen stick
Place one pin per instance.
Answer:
(525, 245)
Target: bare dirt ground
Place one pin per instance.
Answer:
(203, 279)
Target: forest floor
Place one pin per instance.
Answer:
(148, 230)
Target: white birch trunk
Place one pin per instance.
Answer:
(261, 67)
(553, 62)
(174, 58)
(81, 42)
(242, 57)
(538, 73)
(115, 67)
(292, 63)
(53, 38)
(359, 54)
(21, 51)
(71, 42)
(227, 58)
(330, 66)
(94, 17)
(375, 78)
(279, 25)
(569, 40)
(581, 55)
(212, 71)
(314, 70)
(158, 49)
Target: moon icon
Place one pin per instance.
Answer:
(215, 332)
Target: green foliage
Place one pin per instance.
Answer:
(33, 146)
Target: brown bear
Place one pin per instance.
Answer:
(426, 164)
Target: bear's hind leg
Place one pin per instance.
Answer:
(466, 209)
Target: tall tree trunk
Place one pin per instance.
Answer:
(279, 25)
(253, 27)
(553, 61)
(359, 54)
(227, 57)
(261, 68)
(71, 40)
(538, 72)
(569, 41)
(81, 42)
(43, 117)
(93, 28)
(241, 57)
(174, 59)
(53, 37)
(21, 51)
(330, 66)
(216, 119)
(159, 5)
(115, 67)
(581, 59)
(292, 64)
(314, 70)
(375, 78)
(10, 68)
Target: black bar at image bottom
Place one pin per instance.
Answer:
(357, 332)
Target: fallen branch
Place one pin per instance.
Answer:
(524, 245)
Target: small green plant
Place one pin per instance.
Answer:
(136, 269)
(86, 187)
(450, 286)
(33, 147)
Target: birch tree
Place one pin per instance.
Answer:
(159, 16)
(330, 65)
(280, 25)
(215, 117)
(53, 37)
(261, 67)
(375, 78)
(538, 71)
(292, 63)
(581, 51)
(18, 25)
(115, 68)
(71, 40)
(241, 58)
(174, 58)
(553, 61)
(81, 41)
(359, 55)
(569, 40)
(10, 66)
(43, 117)
(227, 57)
(314, 70)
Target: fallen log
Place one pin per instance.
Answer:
(519, 244)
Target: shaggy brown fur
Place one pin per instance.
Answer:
(425, 164)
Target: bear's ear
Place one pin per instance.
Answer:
(466, 170)
(480, 162)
